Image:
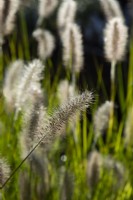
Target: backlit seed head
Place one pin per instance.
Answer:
(115, 40)
(4, 171)
(73, 47)
(46, 43)
(111, 9)
(66, 13)
(101, 118)
(94, 164)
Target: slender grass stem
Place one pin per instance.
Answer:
(113, 91)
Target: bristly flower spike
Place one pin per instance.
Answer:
(101, 119)
(115, 41)
(29, 87)
(65, 91)
(66, 14)
(111, 9)
(52, 128)
(46, 8)
(94, 165)
(4, 171)
(8, 10)
(12, 78)
(46, 43)
(73, 48)
(115, 38)
(56, 123)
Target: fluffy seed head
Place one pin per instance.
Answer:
(93, 168)
(46, 7)
(4, 171)
(46, 43)
(31, 124)
(111, 9)
(101, 118)
(115, 39)
(73, 47)
(29, 87)
(65, 91)
(8, 10)
(66, 13)
(54, 126)
(10, 19)
(12, 77)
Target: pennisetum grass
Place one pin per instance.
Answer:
(115, 41)
(45, 9)
(46, 43)
(111, 9)
(59, 167)
(66, 14)
(47, 132)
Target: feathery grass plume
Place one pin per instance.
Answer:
(54, 126)
(46, 8)
(12, 77)
(65, 91)
(94, 165)
(46, 43)
(10, 19)
(48, 131)
(66, 14)
(115, 41)
(128, 133)
(101, 118)
(4, 171)
(73, 48)
(111, 9)
(31, 122)
(115, 38)
(8, 10)
(29, 88)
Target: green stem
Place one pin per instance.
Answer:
(113, 90)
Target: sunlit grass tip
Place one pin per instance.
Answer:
(73, 55)
(65, 91)
(4, 171)
(115, 40)
(54, 125)
(101, 118)
(66, 14)
(111, 9)
(46, 8)
(46, 43)
(29, 87)
(12, 78)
